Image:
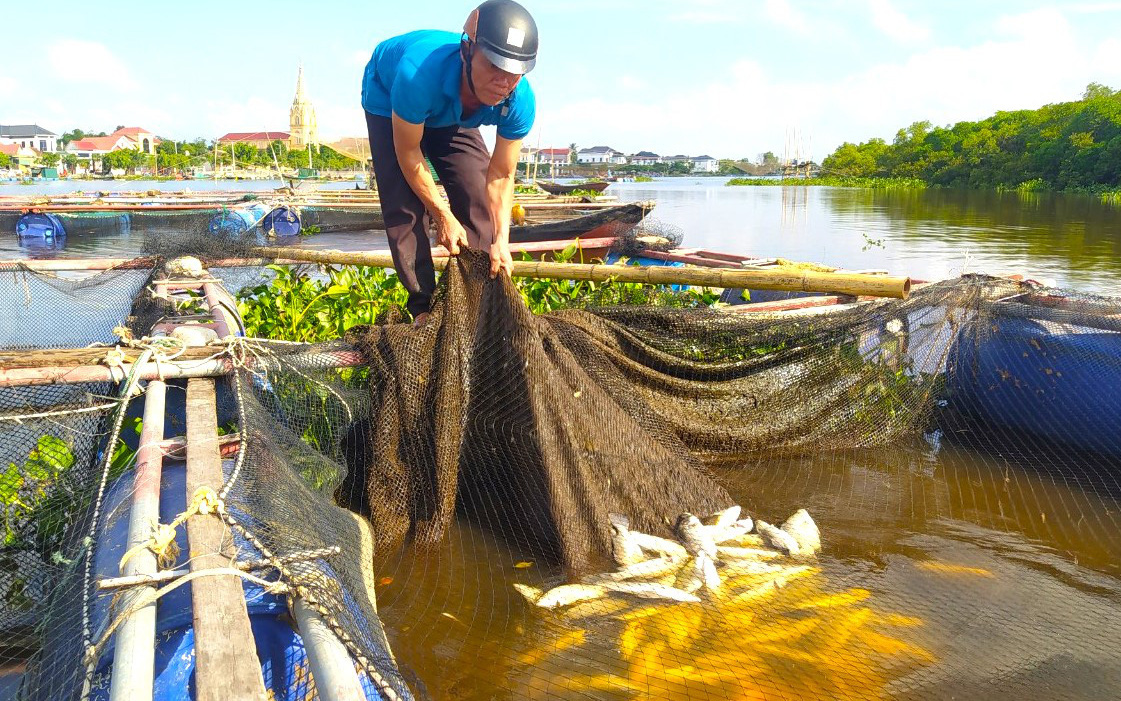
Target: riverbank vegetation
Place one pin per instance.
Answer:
(835, 181)
(1071, 146)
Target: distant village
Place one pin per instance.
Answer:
(30, 150)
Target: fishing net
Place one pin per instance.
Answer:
(511, 490)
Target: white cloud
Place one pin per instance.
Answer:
(896, 25)
(746, 108)
(89, 63)
(784, 14)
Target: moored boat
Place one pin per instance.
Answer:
(567, 189)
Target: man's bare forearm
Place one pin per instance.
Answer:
(500, 199)
(420, 180)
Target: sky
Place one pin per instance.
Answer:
(727, 78)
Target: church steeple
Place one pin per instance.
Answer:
(299, 86)
(303, 127)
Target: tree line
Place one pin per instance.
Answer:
(1066, 146)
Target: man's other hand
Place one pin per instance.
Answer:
(500, 258)
(451, 235)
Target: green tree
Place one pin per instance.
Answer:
(50, 159)
(70, 160)
(5, 159)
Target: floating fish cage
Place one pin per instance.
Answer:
(835, 498)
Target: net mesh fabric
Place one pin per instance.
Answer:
(968, 506)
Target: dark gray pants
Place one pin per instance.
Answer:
(460, 158)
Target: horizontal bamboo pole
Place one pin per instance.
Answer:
(790, 279)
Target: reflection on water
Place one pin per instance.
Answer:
(1073, 240)
(953, 574)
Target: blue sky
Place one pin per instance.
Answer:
(730, 78)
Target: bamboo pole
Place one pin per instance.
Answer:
(791, 279)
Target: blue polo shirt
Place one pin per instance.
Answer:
(417, 75)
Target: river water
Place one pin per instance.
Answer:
(1069, 240)
(948, 571)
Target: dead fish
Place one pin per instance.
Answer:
(706, 570)
(745, 567)
(727, 552)
(776, 538)
(648, 590)
(661, 546)
(804, 531)
(531, 594)
(693, 534)
(733, 531)
(623, 547)
(568, 594)
(597, 607)
(726, 517)
(650, 569)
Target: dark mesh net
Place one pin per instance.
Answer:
(518, 490)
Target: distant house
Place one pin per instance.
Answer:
(600, 154)
(21, 156)
(145, 140)
(528, 154)
(30, 136)
(705, 164)
(93, 147)
(257, 139)
(645, 158)
(554, 156)
(679, 158)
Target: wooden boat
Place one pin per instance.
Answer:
(606, 222)
(560, 189)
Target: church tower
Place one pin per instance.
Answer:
(302, 125)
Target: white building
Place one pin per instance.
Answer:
(705, 164)
(600, 154)
(30, 136)
(645, 158)
(554, 156)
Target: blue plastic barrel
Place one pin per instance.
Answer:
(281, 221)
(40, 225)
(233, 221)
(1061, 383)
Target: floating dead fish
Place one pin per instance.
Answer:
(696, 538)
(597, 607)
(661, 546)
(650, 569)
(623, 547)
(706, 570)
(741, 567)
(776, 538)
(732, 531)
(531, 594)
(649, 590)
(728, 552)
(804, 531)
(568, 594)
(726, 517)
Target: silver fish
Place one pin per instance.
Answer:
(727, 552)
(649, 569)
(531, 594)
(733, 531)
(706, 570)
(597, 607)
(742, 567)
(661, 546)
(648, 590)
(688, 580)
(804, 531)
(776, 538)
(568, 594)
(623, 546)
(693, 534)
(726, 517)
